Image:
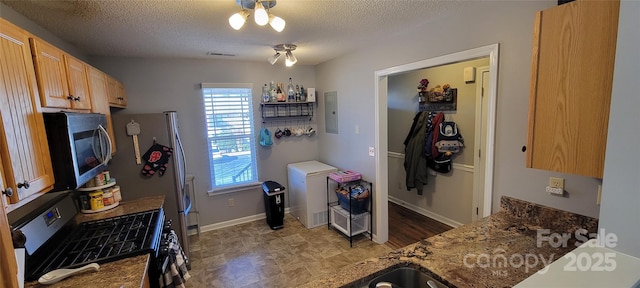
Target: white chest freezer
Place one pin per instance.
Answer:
(308, 192)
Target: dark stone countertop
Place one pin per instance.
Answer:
(128, 272)
(497, 251)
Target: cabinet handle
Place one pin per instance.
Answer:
(70, 97)
(120, 98)
(76, 99)
(25, 184)
(8, 192)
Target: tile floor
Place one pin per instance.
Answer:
(253, 255)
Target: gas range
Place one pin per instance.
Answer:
(53, 241)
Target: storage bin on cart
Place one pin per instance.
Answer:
(354, 197)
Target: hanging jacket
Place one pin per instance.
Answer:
(415, 164)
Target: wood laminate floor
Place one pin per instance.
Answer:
(407, 227)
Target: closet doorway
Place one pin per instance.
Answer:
(384, 156)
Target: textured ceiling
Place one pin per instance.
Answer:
(322, 29)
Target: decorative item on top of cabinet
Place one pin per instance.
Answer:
(571, 79)
(62, 79)
(116, 92)
(23, 144)
(98, 89)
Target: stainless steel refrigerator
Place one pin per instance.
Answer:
(161, 128)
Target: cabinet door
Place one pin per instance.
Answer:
(51, 74)
(9, 269)
(572, 73)
(117, 96)
(78, 86)
(23, 144)
(99, 98)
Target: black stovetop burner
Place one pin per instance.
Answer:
(100, 241)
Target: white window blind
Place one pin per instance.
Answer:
(231, 144)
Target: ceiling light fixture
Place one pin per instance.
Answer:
(286, 50)
(261, 14)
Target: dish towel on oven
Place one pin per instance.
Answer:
(177, 273)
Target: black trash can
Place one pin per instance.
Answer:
(274, 204)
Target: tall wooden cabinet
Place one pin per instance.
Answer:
(100, 102)
(23, 141)
(572, 72)
(62, 79)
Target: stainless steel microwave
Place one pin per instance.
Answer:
(80, 147)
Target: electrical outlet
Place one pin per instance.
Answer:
(231, 202)
(555, 182)
(372, 151)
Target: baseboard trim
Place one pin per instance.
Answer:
(236, 221)
(425, 212)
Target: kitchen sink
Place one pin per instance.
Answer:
(405, 277)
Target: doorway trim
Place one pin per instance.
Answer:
(481, 112)
(381, 193)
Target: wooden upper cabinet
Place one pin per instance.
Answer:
(117, 94)
(23, 141)
(574, 48)
(99, 97)
(62, 79)
(78, 84)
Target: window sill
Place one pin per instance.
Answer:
(234, 189)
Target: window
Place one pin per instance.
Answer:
(230, 137)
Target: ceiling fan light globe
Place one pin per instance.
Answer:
(237, 20)
(290, 59)
(274, 58)
(260, 15)
(277, 23)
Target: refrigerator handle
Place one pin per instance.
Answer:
(183, 169)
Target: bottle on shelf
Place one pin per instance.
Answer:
(281, 97)
(272, 92)
(297, 93)
(291, 97)
(303, 94)
(265, 93)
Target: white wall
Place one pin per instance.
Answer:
(155, 85)
(619, 212)
(509, 23)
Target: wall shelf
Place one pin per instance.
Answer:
(274, 110)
